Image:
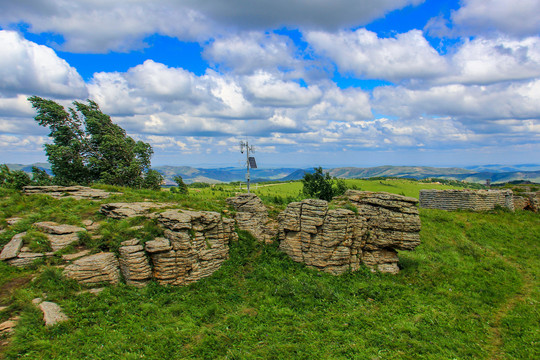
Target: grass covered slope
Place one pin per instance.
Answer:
(469, 291)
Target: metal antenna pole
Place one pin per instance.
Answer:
(245, 145)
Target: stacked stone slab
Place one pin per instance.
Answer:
(252, 215)
(338, 240)
(196, 244)
(134, 263)
(62, 192)
(474, 200)
(59, 235)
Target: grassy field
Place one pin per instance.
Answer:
(469, 291)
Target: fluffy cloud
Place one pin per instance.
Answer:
(99, 26)
(367, 56)
(485, 61)
(517, 18)
(493, 102)
(28, 68)
(253, 51)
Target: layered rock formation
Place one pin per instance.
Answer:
(466, 199)
(62, 192)
(336, 240)
(59, 235)
(252, 215)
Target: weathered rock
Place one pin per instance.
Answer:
(94, 269)
(13, 220)
(338, 240)
(527, 201)
(12, 248)
(328, 240)
(466, 199)
(58, 242)
(8, 327)
(27, 258)
(53, 228)
(52, 313)
(128, 210)
(252, 216)
(196, 245)
(134, 264)
(62, 192)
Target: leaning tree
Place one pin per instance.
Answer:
(88, 147)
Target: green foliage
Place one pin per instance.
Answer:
(182, 187)
(13, 179)
(88, 147)
(322, 186)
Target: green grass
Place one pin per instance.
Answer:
(469, 291)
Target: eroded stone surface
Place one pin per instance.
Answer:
(94, 269)
(128, 210)
(336, 240)
(252, 216)
(52, 313)
(527, 201)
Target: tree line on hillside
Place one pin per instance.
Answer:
(87, 147)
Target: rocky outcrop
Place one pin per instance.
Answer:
(466, 199)
(94, 269)
(134, 264)
(368, 228)
(62, 192)
(252, 215)
(128, 210)
(195, 246)
(527, 201)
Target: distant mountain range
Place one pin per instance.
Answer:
(477, 174)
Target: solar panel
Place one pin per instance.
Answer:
(252, 163)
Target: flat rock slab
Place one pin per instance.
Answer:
(12, 248)
(7, 327)
(62, 192)
(52, 313)
(128, 210)
(53, 228)
(80, 254)
(13, 220)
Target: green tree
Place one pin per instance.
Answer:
(321, 185)
(88, 147)
(40, 177)
(182, 187)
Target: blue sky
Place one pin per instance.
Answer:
(309, 83)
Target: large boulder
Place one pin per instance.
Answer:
(62, 192)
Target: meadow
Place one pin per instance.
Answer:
(469, 291)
